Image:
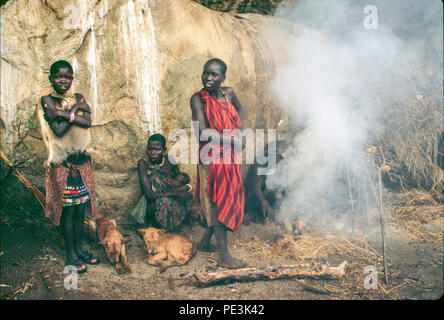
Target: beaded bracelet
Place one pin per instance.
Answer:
(71, 116)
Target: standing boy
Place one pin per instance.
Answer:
(65, 119)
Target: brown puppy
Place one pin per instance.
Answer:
(105, 231)
(166, 249)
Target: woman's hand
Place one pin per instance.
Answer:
(182, 193)
(183, 188)
(185, 196)
(171, 182)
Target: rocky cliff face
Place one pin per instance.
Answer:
(137, 63)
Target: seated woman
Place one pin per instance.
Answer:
(165, 189)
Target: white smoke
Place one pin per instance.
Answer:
(343, 74)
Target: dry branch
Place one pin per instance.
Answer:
(304, 270)
(350, 194)
(381, 220)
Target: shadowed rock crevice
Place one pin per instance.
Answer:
(243, 6)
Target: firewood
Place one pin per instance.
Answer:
(303, 270)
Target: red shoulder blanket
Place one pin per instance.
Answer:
(225, 185)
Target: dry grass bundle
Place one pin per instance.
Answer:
(409, 144)
(307, 246)
(415, 210)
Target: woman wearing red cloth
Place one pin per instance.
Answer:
(219, 183)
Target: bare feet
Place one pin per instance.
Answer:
(227, 261)
(87, 257)
(206, 247)
(76, 263)
(204, 244)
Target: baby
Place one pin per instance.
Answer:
(183, 179)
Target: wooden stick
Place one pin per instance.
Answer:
(381, 220)
(304, 270)
(40, 197)
(351, 201)
(366, 200)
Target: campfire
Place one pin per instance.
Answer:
(300, 226)
(289, 232)
(293, 227)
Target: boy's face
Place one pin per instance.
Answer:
(61, 81)
(155, 151)
(212, 76)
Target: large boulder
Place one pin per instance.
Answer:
(137, 63)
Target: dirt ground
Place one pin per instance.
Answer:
(32, 264)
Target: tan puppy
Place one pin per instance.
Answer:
(166, 249)
(105, 231)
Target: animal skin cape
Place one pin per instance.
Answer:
(76, 139)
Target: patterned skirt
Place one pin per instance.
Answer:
(75, 192)
(169, 212)
(164, 212)
(56, 182)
